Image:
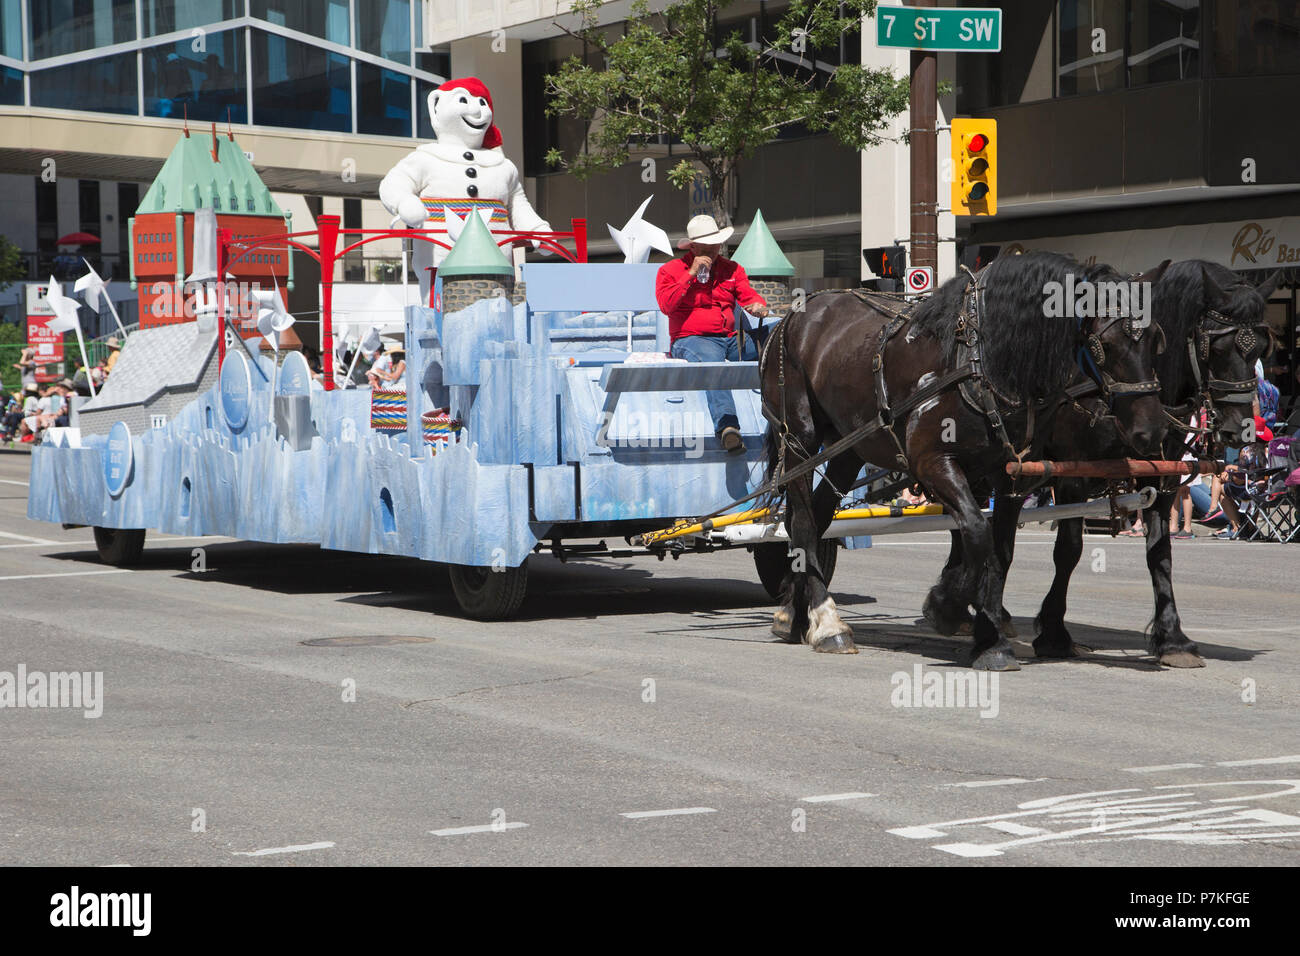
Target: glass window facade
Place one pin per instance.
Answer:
(383, 101)
(300, 85)
(1090, 46)
(11, 28)
(70, 26)
(11, 86)
(1256, 37)
(198, 80)
(327, 19)
(167, 16)
(104, 85)
(1164, 41)
(384, 29)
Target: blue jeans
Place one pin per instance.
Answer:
(716, 348)
(1200, 498)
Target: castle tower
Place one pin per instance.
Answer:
(203, 171)
(766, 265)
(476, 268)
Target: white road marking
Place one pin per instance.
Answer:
(995, 783)
(4, 547)
(829, 797)
(1259, 761)
(1158, 768)
(272, 851)
(485, 828)
(968, 849)
(10, 481)
(64, 574)
(26, 537)
(1015, 829)
(680, 812)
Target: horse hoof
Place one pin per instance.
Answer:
(827, 633)
(840, 642)
(995, 659)
(940, 618)
(1009, 627)
(1181, 658)
(783, 625)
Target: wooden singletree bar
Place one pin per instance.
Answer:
(1112, 468)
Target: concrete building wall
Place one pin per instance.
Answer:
(18, 210)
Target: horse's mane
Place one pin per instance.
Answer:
(1027, 353)
(1180, 299)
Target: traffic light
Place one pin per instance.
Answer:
(887, 262)
(974, 167)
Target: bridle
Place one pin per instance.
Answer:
(1092, 355)
(1198, 350)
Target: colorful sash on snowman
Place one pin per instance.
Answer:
(463, 207)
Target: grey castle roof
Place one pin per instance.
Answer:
(155, 360)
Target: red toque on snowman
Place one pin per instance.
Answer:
(475, 87)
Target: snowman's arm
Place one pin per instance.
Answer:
(523, 217)
(399, 191)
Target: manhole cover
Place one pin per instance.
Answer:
(366, 640)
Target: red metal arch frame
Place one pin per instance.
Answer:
(327, 233)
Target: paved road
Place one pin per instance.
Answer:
(216, 711)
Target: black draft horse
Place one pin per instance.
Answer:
(829, 371)
(1215, 329)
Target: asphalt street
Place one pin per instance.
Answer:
(637, 712)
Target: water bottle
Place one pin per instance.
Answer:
(702, 274)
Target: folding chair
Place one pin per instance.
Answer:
(1266, 503)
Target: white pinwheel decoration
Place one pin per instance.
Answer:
(638, 237)
(65, 319)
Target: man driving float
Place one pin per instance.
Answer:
(699, 292)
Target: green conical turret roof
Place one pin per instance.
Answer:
(759, 253)
(475, 253)
(191, 178)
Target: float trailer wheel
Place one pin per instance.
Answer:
(120, 547)
(486, 594)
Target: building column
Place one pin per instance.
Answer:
(886, 213)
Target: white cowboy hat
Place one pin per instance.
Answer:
(705, 231)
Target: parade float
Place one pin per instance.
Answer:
(540, 413)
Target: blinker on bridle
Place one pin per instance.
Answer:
(1244, 339)
(1095, 351)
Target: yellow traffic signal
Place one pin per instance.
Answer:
(974, 167)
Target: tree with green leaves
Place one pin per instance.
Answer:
(677, 76)
(11, 264)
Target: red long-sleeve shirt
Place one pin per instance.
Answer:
(703, 308)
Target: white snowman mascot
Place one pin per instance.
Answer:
(463, 173)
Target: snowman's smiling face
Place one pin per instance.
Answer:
(459, 116)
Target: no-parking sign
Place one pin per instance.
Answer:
(919, 279)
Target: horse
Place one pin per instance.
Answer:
(962, 370)
(1215, 328)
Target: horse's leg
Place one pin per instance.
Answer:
(811, 609)
(971, 585)
(1006, 515)
(1168, 642)
(825, 501)
(1053, 638)
(1006, 511)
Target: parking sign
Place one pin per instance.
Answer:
(919, 279)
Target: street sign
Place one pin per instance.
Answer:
(954, 29)
(919, 280)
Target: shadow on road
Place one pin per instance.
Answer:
(721, 608)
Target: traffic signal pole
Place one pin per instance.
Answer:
(924, 148)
